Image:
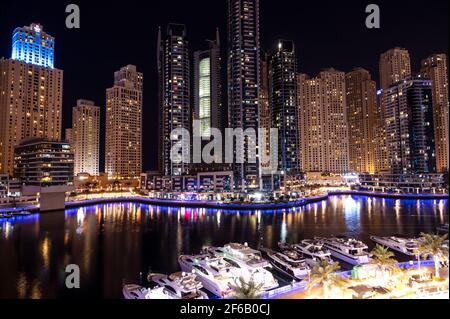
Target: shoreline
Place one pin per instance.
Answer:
(238, 206)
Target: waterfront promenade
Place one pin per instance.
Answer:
(105, 199)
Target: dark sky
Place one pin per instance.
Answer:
(326, 33)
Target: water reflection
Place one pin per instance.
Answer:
(114, 242)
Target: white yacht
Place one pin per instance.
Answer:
(249, 261)
(289, 262)
(251, 257)
(407, 246)
(313, 250)
(180, 285)
(216, 274)
(350, 250)
(138, 292)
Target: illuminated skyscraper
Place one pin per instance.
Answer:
(243, 83)
(33, 46)
(208, 88)
(323, 122)
(175, 89)
(123, 152)
(435, 68)
(30, 93)
(265, 112)
(284, 105)
(410, 126)
(394, 66)
(85, 137)
(361, 117)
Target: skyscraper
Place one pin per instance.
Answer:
(435, 68)
(284, 105)
(30, 44)
(243, 83)
(410, 126)
(85, 137)
(208, 88)
(123, 151)
(361, 117)
(394, 66)
(30, 93)
(323, 122)
(175, 108)
(265, 112)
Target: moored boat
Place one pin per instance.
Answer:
(181, 285)
(289, 262)
(407, 246)
(349, 250)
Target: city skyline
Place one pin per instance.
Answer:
(227, 150)
(197, 43)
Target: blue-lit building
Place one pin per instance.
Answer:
(31, 102)
(30, 44)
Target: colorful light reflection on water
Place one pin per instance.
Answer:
(115, 242)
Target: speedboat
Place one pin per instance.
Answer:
(133, 291)
(289, 262)
(248, 261)
(215, 273)
(407, 246)
(349, 250)
(181, 285)
(312, 249)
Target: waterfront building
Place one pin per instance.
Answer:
(284, 105)
(123, 149)
(243, 83)
(175, 94)
(394, 66)
(214, 181)
(410, 126)
(85, 137)
(208, 108)
(41, 162)
(424, 183)
(361, 117)
(323, 122)
(30, 92)
(435, 68)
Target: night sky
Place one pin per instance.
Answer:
(326, 34)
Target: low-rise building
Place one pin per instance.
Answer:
(40, 162)
(403, 183)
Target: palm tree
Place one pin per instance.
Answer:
(383, 259)
(431, 245)
(324, 274)
(246, 289)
